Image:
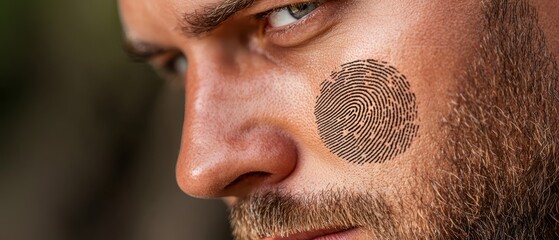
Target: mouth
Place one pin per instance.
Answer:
(330, 234)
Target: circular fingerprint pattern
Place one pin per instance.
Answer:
(366, 112)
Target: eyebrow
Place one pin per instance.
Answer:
(192, 24)
(210, 16)
(142, 51)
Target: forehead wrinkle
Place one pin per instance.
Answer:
(210, 16)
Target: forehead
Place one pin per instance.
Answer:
(154, 18)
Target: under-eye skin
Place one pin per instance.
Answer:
(308, 19)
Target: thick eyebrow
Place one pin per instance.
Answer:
(211, 16)
(142, 51)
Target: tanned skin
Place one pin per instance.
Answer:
(484, 163)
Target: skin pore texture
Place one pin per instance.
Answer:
(366, 113)
(503, 175)
(480, 75)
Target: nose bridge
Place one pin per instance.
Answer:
(223, 138)
(218, 100)
(221, 96)
(216, 84)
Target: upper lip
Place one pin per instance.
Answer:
(310, 234)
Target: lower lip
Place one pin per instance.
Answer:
(347, 234)
(341, 235)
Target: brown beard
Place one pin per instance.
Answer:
(504, 135)
(284, 214)
(502, 179)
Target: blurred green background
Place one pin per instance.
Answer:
(89, 138)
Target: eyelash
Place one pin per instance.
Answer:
(264, 17)
(278, 34)
(167, 67)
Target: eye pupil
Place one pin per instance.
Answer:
(300, 10)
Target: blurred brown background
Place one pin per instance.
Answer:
(89, 138)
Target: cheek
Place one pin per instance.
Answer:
(366, 113)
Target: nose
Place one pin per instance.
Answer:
(231, 146)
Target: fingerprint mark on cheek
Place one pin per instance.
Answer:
(366, 112)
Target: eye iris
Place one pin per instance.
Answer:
(300, 10)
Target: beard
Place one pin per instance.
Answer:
(504, 135)
(499, 168)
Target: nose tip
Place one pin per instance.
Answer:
(235, 166)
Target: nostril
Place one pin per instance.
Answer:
(251, 176)
(218, 165)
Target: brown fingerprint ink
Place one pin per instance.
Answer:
(366, 112)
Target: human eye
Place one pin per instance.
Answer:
(170, 63)
(178, 65)
(294, 24)
(173, 67)
(290, 14)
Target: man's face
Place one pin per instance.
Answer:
(320, 118)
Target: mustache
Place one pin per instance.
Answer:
(277, 214)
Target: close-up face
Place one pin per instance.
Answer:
(362, 119)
